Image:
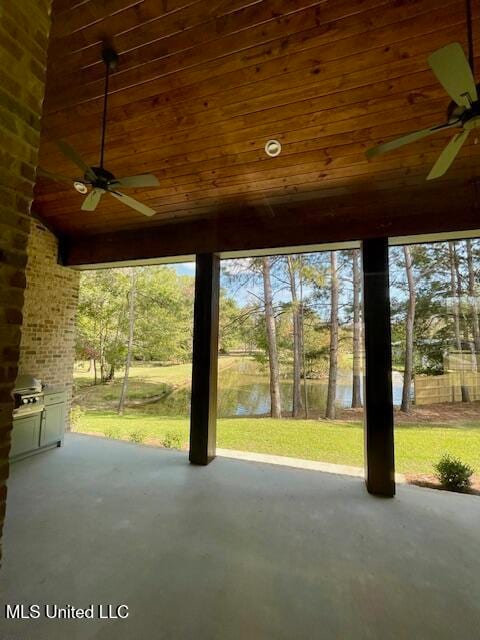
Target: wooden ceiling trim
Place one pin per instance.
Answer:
(268, 231)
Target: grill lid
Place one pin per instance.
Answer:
(26, 383)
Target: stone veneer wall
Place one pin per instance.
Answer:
(47, 347)
(24, 30)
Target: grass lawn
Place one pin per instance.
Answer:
(417, 447)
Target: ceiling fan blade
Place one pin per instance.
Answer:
(451, 67)
(134, 204)
(133, 182)
(90, 203)
(58, 177)
(448, 155)
(72, 155)
(410, 137)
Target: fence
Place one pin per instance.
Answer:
(447, 387)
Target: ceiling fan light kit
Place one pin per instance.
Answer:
(99, 179)
(81, 187)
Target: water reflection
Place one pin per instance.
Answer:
(244, 391)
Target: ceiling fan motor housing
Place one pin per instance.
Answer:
(103, 177)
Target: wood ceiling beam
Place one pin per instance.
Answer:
(369, 216)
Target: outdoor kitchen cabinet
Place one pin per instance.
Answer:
(25, 435)
(42, 430)
(53, 419)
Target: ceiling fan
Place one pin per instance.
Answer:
(455, 74)
(98, 178)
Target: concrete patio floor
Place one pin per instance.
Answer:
(237, 550)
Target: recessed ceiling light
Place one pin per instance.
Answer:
(273, 148)
(80, 187)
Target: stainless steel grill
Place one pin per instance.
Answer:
(28, 396)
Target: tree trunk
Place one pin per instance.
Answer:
(461, 306)
(297, 404)
(275, 399)
(357, 332)
(410, 322)
(332, 370)
(102, 356)
(95, 379)
(454, 292)
(473, 302)
(302, 340)
(131, 331)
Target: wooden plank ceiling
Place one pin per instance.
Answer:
(203, 84)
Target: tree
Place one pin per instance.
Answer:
(333, 352)
(275, 398)
(297, 404)
(410, 322)
(357, 332)
(164, 308)
(455, 293)
(131, 331)
(101, 320)
(472, 292)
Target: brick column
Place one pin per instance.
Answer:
(24, 29)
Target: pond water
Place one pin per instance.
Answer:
(244, 391)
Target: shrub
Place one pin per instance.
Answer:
(452, 473)
(112, 432)
(172, 440)
(76, 414)
(137, 436)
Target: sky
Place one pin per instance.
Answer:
(248, 294)
(184, 268)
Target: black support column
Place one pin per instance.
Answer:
(379, 450)
(203, 416)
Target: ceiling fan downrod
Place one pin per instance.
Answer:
(471, 58)
(110, 58)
